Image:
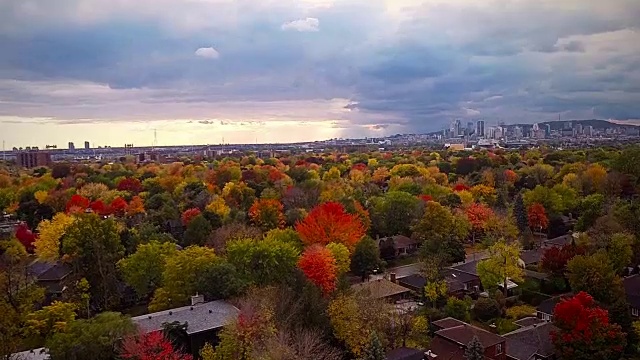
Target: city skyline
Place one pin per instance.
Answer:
(303, 70)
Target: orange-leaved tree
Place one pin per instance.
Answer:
(319, 266)
(478, 214)
(329, 222)
(189, 215)
(537, 216)
(267, 214)
(119, 206)
(136, 206)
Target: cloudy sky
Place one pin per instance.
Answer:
(198, 71)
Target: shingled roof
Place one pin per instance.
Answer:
(463, 333)
(380, 288)
(632, 290)
(523, 343)
(199, 318)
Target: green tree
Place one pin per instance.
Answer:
(262, 262)
(620, 251)
(474, 350)
(591, 209)
(375, 350)
(366, 257)
(341, 255)
(93, 244)
(458, 309)
(91, 339)
(394, 213)
(50, 319)
(442, 233)
(502, 265)
(143, 269)
(180, 277)
(520, 213)
(434, 290)
(594, 275)
(220, 280)
(551, 201)
(287, 235)
(198, 231)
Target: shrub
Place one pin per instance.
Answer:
(521, 311)
(486, 309)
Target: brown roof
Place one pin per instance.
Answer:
(401, 241)
(445, 350)
(448, 323)
(380, 288)
(462, 334)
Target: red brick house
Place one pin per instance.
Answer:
(452, 336)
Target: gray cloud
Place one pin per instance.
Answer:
(365, 67)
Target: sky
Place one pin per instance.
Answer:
(245, 71)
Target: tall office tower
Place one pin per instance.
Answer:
(480, 128)
(517, 132)
(469, 127)
(536, 127)
(86, 145)
(457, 127)
(579, 129)
(589, 130)
(71, 145)
(547, 131)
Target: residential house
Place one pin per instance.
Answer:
(632, 290)
(544, 311)
(452, 337)
(405, 353)
(204, 320)
(531, 342)
(382, 289)
(398, 245)
(53, 277)
(559, 241)
(459, 283)
(531, 258)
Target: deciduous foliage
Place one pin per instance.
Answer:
(219, 280)
(366, 257)
(93, 246)
(329, 223)
(198, 231)
(375, 350)
(180, 276)
(478, 214)
(319, 266)
(594, 275)
(143, 269)
(262, 262)
(267, 214)
(131, 185)
(537, 216)
(90, 339)
(394, 213)
(50, 319)
(136, 206)
(554, 259)
(342, 256)
(442, 233)
(189, 215)
(502, 265)
(151, 346)
(77, 204)
(119, 206)
(435, 290)
(26, 237)
(585, 332)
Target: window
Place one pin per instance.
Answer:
(634, 312)
(498, 349)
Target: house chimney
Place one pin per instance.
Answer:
(197, 299)
(392, 277)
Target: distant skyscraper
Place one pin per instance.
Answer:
(579, 129)
(517, 132)
(469, 127)
(457, 127)
(71, 145)
(86, 145)
(589, 130)
(536, 127)
(480, 128)
(547, 130)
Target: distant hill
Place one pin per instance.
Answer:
(597, 124)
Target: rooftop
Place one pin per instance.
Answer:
(530, 340)
(548, 305)
(470, 267)
(632, 289)
(380, 288)
(33, 354)
(199, 318)
(463, 333)
(404, 353)
(440, 348)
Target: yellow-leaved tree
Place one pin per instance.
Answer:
(47, 245)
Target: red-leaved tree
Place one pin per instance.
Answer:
(478, 214)
(329, 222)
(267, 214)
(584, 331)
(460, 187)
(510, 176)
(100, 208)
(554, 260)
(131, 185)
(319, 266)
(25, 236)
(119, 206)
(151, 346)
(425, 198)
(537, 216)
(189, 215)
(77, 203)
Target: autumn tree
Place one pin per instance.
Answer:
(220, 280)
(319, 266)
(342, 256)
(180, 277)
(93, 246)
(50, 319)
(131, 185)
(584, 331)
(366, 258)
(188, 215)
(478, 214)
(77, 204)
(554, 259)
(594, 275)
(537, 217)
(434, 290)
(329, 223)
(502, 265)
(118, 206)
(143, 269)
(198, 231)
(150, 346)
(136, 206)
(267, 214)
(394, 213)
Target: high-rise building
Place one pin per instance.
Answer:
(588, 130)
(480, 128)
(547, 130)
(457, 124)
(517, 132)
(33, 158)
(469, 128)
(86, 145)
(579, 129)
(71, 145)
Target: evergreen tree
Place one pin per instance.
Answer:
(474, 350)
(520, 212)
(375, 350)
